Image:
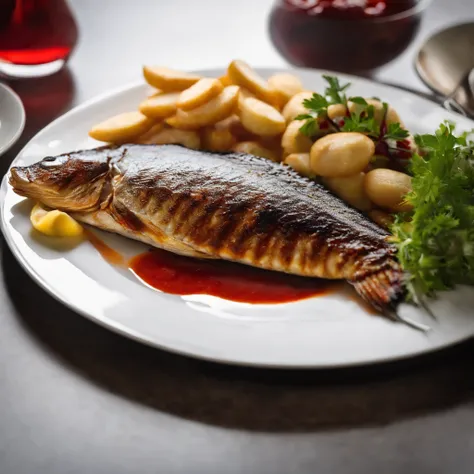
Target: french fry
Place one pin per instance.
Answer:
(241, 74)
(200, 93)
(285, 86)
(215, 139)
(121, 128)
(261, 118)
(244, 94)
(160, 106)
(168, 136)
(147, 137)
(234, 125)
(208, 114)
(168, 80)
(254, 148)
(155, 93)
(225, 80)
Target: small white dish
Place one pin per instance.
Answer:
(12, 118)
(323, 332)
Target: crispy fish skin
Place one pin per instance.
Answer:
(220, 205)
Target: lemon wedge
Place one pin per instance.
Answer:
(54, 223)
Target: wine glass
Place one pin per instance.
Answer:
(36, 37)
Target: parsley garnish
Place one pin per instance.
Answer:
(436, 241)
(335, 91)
(318, 104)
(359, 101)
(396, 132)
(361, 120)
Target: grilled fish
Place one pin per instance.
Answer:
(220, 205)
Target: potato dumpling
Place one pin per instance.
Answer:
(160, 106)
(241, 74)
(392, 115)
(351, 190)
(293, 141)
(336, 111)
(300, 163)
(254, 148)
(388, 188)
(121, 128)
(207, 114)
(382, 218)
(295, 107)
(54, 223)
(285, 86)
(168, 80)
(168, 136)
(261, 118)
(341, 154)
(198, 94)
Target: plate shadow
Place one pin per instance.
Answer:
(234, 397)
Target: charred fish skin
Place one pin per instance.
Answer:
(70, 182)
(232, 206)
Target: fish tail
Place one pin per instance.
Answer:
(384, 290)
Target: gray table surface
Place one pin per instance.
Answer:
(75, 398)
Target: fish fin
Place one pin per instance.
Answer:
(420, 299)
(384, 290)
(407, 321)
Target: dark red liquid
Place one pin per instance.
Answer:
(34, 32)
(187, 276)
(343, 35)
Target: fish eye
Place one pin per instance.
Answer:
(50, 161)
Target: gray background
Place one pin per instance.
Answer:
(75, 398)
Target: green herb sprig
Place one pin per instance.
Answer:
(361, 120)
(318, 104)
(436, 241)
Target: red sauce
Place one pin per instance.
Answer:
(186, 276)
(109, 254)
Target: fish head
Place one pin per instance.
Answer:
(69, 182)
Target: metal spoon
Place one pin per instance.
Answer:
(445, 63)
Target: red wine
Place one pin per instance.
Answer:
(343, 35)
(34, 32)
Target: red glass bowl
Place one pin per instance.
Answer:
(357, 44)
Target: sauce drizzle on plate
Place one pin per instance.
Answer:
(109, 254)
(180, 275)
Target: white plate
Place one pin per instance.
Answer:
(12, 118)
(328, 331)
